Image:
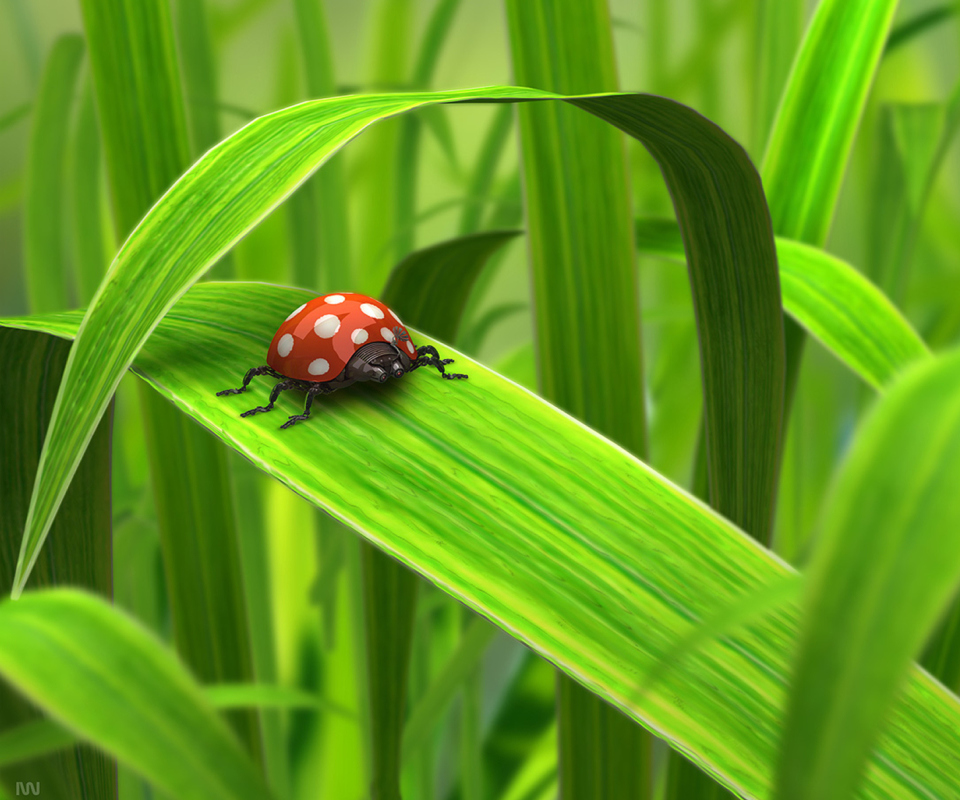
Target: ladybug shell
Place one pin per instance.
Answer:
(318, 339)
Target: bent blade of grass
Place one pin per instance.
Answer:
(104, 677)
(46, 269)
(886, 566)
(230, 189)
(606, 605)
(834, 302)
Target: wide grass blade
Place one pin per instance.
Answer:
(80, 551)
(848, 314)
(146, 145)
(587, 321)
(429, 289)
(46, 269)
(103, 676)
(550, 550)
(886, 564)
(819, 114)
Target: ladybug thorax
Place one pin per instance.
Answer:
(322, 337)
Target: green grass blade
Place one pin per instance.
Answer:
(485, 169)
(39, 737)
(131, 47)
(429, 710)
(91, 251)
(103, 676)
(918, 24)
(330, 185)
(832, 300)
(249, 173)
(243, 695)
(199, 72)
(14, 115)
(379, 185)
(408, 143)
(587, 321)
(819, 114)
(389, 604)
(534, 544)
(884, 569)
(473, 338)
(46, 268)
(133, 55)
(779, 29)
(430, 287)
(80, 552)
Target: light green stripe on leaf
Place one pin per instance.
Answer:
(566, 554)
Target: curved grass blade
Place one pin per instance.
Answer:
(44, 230)
(430, 287)
(101, 675)
(848, 314)
(886, 566)
(566, 553)
(918, 24)
(246, 175)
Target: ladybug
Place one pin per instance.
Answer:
(333, 341)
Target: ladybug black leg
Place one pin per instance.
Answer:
(427, 356)
(312, 392)
(246, 380)
(280, 387)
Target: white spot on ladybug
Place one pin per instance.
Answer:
(359, 336)
(326, 326)
(333, 299)
(410, 347)
(319, 366)
(387, 334)
(295, 313)
(394, 315)
(285, 345)
(371, 310)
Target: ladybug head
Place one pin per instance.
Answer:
(379, 361)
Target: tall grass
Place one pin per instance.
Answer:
(341, 632)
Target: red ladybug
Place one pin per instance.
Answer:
(335, 340)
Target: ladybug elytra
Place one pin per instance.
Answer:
(335, 340)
